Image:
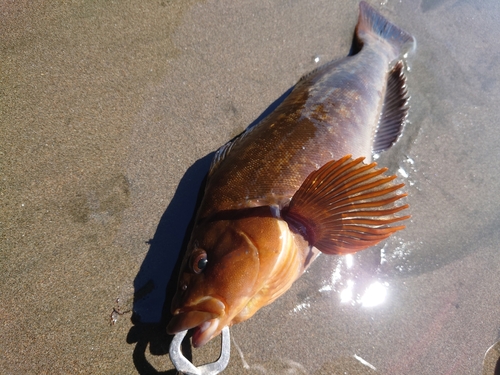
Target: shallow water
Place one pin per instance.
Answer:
(109, 111)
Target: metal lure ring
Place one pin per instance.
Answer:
(183, 365)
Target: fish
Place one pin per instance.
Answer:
(299, 183)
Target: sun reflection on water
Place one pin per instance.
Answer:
(346, 295)
(374, 295)
(354, 286)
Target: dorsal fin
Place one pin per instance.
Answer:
(224, 150)
(345, 206)
(394, 110)
(220, 155)
(316, 70)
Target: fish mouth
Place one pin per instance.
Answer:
(206, 323)
(204, 332)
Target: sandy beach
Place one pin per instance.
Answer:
(109, 115)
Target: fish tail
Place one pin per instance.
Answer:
(372, 23)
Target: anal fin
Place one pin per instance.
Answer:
(394, 110)
(346, 206)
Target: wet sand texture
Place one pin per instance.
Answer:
(108, 111)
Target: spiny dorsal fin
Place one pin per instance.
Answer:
(345, 206)
(224, 150)
(220, 155)
(394, 110)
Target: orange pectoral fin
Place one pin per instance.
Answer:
(346, 206)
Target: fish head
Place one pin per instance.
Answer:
(220, 274)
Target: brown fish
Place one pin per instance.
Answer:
(288, 188)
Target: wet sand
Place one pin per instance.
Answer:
(109, 115)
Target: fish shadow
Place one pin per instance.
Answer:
(156, 281)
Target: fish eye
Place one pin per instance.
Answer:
(199, 260)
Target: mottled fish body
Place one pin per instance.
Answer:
(296, 185)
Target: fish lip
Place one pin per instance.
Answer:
(204, 332)
(187, 320)
(204, 315)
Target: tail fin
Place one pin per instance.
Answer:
(373, 23)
